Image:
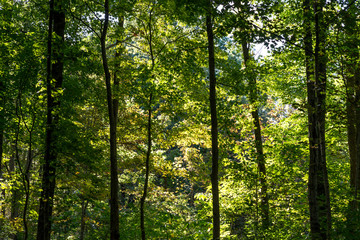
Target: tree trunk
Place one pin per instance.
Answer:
(54, 82)
(83, 215)
(15, 194)
(2, 193)
(264, 202)
(351, 130)
(352, 78)
(116, 78)
(147, 161)
(15, 160)
(320, 79)
(353, 94)
(214, 127)
(26, 182)
(2, 124)
(114, 185)
(147, 170)
(318, 185)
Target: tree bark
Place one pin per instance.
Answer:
(264, 202)
(320, 79)
(116, 78)
(315, 62)
(83, 215)
(15, 194)
(27, 188)
(351, 130)
(147, 171)
(54, 83)
(2, 126)
(353, 84)
(26, 180)
(114, 185)
(214, 127)
(352, 78)
(147, 162)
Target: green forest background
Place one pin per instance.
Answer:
(179, 119)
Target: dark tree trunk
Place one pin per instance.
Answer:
(351, 130)
(315, 62)
(264, 202)
(27, 189)
(353, 92)
(116, 77)
(148, 153)
(147, 171)
(83, 215)
(114, 185)
(309, 64)
(2, 126)
(320, 79)
(15, 160)
(214, 127)
(352, 77)
(2, 193)
(15, 194)
(54, 73)
(26, 181)
(24, 171)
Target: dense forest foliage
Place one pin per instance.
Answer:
(179, 119)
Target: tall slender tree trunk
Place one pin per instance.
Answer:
(2, 193)
(2, 126)
(315, 62)
(320, 79)
(54, 83)
(264, 202)
(149, 137)
(214, 127)
(116, 77)
(26, 182)
(15, 194)
(353, 89)
(25, 170)
(147, 171)
(84, 205)
(352, 77)
(351, 129)
(114, 185)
